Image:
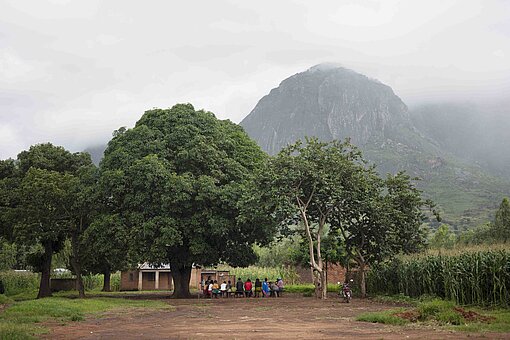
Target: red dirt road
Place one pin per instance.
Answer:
(289, 317)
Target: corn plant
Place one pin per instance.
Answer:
(477, 276)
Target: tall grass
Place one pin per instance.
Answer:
(19, 282)
(16, 283)
(479, 275)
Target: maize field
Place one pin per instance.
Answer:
(479, 276)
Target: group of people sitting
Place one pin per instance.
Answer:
(259, 288)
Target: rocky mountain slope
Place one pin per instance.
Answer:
(332, 102)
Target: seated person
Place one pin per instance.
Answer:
(216, 289)
(210, 288)
(239, 287)
(247, 288)
(223, 288)
(279, 283)
(258, 287)
(274, 289)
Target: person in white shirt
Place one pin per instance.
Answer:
(223, 288)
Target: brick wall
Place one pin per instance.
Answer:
(165, 281)
(335, 273)
(125, 280)
(63, 284)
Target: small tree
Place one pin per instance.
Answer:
(105, 247)
(443, 238)
(501, 225)
(43, 216)
(380, 219)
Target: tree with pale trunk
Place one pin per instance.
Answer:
(309, 181)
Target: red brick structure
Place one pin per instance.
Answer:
(334, 273)
(147, 277)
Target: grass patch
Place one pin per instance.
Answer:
(398, 299)
(4, 300)
(500, 322)
(444, 313)
(20, 320)
(386, 317)
(308, 288)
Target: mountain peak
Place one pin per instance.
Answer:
(326, 67)
(327, 101)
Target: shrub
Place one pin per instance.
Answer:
(19, 282)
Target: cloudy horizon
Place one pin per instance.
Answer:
(72, 72)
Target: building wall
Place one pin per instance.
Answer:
(165, 281)
(146, 283)
(63, 284)
(129, 280)
(194, 282)
(335, 273)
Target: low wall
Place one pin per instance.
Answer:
(62, 284)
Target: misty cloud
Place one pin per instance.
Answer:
(72, 72)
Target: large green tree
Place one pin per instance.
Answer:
(381, 218)
(307, 182)
(176, 180)
(38, 194)
(82, 210)
(328, 186)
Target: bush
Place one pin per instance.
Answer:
(19, 282)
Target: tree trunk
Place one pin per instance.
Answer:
(324, 285)
(181, 275)
(44, 286)
(363, 284)
(76, 263)
(106, 281)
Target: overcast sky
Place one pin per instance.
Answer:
(73, 71)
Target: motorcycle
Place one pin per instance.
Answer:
(345, 291)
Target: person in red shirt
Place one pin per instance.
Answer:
(247, 288)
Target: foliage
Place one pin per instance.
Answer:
(8, 252)
(19, 282)
(479, 235)
(443, 238)
(478, 276)
(501, 226)
(105, 247)
(278, 253)
(495, 232)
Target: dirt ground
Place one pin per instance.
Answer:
(288, 317)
